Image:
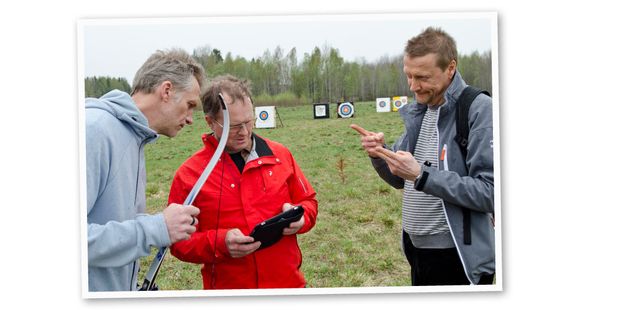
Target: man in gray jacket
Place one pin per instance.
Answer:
(165, 91)
(448, 201)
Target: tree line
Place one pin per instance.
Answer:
(320, 76)
(98, 86)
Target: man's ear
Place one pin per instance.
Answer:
(209, 121)
(165, 91)
(451, 68)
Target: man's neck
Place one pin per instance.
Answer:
(245, 151)
(146, 104)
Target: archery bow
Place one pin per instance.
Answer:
(148, 284)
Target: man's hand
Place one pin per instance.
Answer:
(180, 221)
(295, 226)
(401, 163)
(240, 245)
(370, 140)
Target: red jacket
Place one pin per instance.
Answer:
(244, 201)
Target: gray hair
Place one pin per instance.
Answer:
(174, 65)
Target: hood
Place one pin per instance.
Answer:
(122, 106)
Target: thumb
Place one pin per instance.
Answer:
(287, 206)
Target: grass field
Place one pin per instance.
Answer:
(356, 240)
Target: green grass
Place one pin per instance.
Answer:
(356, 241)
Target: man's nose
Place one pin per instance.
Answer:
(243, 128)
(413, 85)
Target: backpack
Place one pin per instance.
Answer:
(462, 139)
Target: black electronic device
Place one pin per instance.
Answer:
(271, 230)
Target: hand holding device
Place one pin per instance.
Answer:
(271, 230)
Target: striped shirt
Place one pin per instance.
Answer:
(423, 215)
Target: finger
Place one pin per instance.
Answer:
(191, 210)
(243, 239)
(369, 139)
(253, 247)
(191, 230)
(360, 130)
(385, 152)
(297, 223)
(379, 136)
(246, 248)
(390, 160)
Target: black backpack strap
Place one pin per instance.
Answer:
(462, 138)
(462, 116)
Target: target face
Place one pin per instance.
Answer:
(383, 104)
(265, 117)
(345, 110)
(321, 110)
(399, 102)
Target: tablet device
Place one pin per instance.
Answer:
(271, 230)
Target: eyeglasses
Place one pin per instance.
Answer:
(236, 128)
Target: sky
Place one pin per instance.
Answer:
(118, 47)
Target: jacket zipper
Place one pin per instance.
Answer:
(263, 179)
(139, 163)
(443, 205)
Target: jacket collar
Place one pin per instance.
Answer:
(261, 147)
(455, 89)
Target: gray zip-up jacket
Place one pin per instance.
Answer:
(119, 231)
(459, 183)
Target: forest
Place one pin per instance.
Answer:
(288, 79)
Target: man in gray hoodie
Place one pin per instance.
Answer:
(165, 91)
(448, 200)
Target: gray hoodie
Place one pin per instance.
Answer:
(459, 183)
(119, 232)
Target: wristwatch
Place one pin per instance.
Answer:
(421, 178)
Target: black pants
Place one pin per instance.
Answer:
(437, 266)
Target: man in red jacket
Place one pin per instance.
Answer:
(255, 179)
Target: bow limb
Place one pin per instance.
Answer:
(217, 154)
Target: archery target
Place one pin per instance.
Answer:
(399, 102)
(383, 104)
(265, 117)
(321, 110)
(345, 109)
